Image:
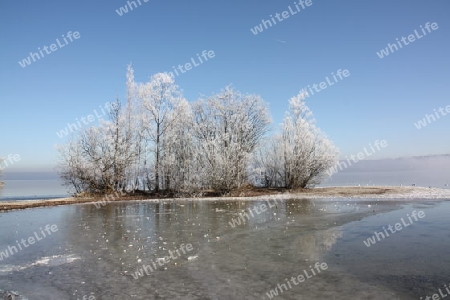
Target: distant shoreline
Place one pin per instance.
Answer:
(31, 198)
(377, 192)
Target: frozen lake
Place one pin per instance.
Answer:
(96, 252)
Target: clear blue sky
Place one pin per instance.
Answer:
(381, 99)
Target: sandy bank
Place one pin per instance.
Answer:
(375, 192)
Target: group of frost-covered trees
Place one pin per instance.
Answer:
(158, 141)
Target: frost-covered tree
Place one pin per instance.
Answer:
(267, 167)
(307, 153)
(160, 141)
(137, 171)
(96, 160)
(179, 165)
(228, 127)
(122, 152)
(71, 167)
(159, 96)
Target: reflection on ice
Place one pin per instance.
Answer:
(313, 245)
(55, 260)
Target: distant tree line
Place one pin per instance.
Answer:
(158, 141)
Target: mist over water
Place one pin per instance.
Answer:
(435, 179)
(423, 171)
(32, 189)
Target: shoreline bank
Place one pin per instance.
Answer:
(377, 192)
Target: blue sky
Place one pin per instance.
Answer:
(380, 100)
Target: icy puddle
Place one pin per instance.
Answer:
(280, 249)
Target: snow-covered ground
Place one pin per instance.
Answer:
(376, 192)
